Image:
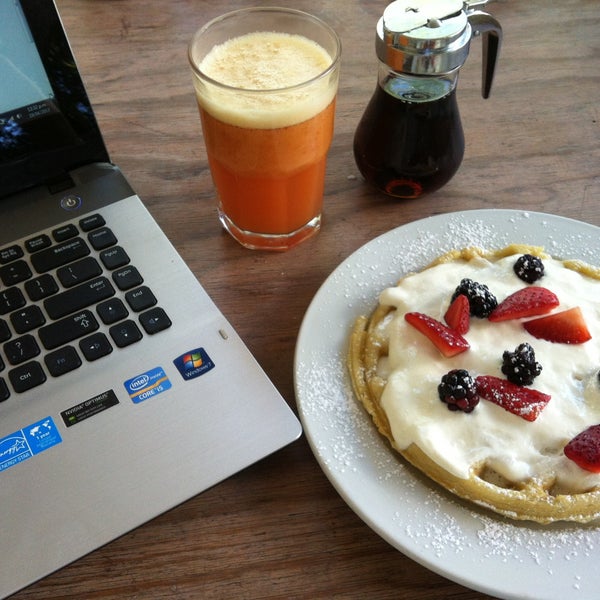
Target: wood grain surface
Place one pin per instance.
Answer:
(279, 529)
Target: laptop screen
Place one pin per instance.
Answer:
(47, 127)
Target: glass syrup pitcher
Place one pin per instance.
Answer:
(410, 141)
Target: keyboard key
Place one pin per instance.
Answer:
(114, 258)
(41, 287)
(79, 271)
(92, 222)
(11, 299)
(68, 329)
(15, 272)
(5, 333)
(62, 361)
(79, 297)
(112, 310)
(27, 318)
(66, 232)
(59, 255)
(21, 349)
(140, 299)
(61, 274)
(155, 320)
(127, 278)
(4, 392)
(27, 376)
(39, 242)
(125, 333)
(95, 346)
(9, 254)
(102, 238)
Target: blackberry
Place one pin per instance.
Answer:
(457, 391)
(520, 366)
(529, 268)
(481, 301)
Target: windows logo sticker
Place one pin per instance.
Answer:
(194, 363)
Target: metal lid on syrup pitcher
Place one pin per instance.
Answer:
(430, 37)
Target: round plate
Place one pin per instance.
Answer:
(475, 548)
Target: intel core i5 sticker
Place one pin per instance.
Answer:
(27, 442)
(193, 363)
(147, 385)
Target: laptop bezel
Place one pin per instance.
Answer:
(48, 163)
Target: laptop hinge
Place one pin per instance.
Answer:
(59, 183)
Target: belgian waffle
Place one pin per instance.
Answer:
(394, 371)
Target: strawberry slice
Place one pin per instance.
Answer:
(566, 327)
(446, 340)
(458, 315)
(521, 401)
(527, 302)
(584, 449)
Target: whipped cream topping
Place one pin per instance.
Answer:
(515, 448)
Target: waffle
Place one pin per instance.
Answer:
(560, 490)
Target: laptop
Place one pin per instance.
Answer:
(124, 391)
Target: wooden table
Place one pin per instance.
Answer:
(279, 529)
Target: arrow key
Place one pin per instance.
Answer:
(155, 320)
(95, 346)
(125, 333)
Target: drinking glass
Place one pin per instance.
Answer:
(266, 82)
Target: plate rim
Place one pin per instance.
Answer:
(489, 216)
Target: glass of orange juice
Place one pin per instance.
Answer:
(266, 81)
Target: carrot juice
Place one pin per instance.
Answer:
(267, 104)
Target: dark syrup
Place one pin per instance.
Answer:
(408, 149)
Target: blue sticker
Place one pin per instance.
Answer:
(193, 363)
(27, 442)
(147, 385)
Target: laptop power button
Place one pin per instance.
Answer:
(70, 202)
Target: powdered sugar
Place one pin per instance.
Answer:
(464, 543)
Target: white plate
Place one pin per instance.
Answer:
(472, 547)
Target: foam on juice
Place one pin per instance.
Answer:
(266, 64)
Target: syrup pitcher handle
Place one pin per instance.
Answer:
(489, 28)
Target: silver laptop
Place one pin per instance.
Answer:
(123, 389)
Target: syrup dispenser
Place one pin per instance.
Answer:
(410, 140)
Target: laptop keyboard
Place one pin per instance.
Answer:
(67, 298)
